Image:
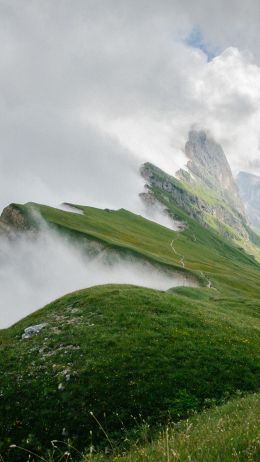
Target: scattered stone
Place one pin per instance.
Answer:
(75, 310)
(33, 330)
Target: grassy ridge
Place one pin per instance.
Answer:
(127, 351)
(204, 250)
(206, 202)
(124, 351)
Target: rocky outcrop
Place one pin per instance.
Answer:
(227, 219)
(13, 219)
(156, 211)
(249, 187)
(206, 190)
(208, 165)
(33, 330)
(4, 228)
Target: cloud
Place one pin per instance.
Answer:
(53, 160)
(224, 24)
(228, 97)
(222, 96)
(195, 40)
(90, 90)
(35, 271)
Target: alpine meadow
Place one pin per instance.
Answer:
(130, 231)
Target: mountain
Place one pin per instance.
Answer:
(249, 187)
(205, 189)
(107, 366)
(209, 165)
(109, 354)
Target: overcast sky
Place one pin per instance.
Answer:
(90, 89)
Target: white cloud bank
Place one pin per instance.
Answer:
(89, 90)
(222, 96)
(34, 272)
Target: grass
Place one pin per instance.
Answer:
(204, 249)
(224, 433)
(230, 432)
(129, 354)
(199, 200)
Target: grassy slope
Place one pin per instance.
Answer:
(132, 350)
(230, 432)
(204, 250)
(128, 351)
(197, 199)
(190, 193)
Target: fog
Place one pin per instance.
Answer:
(86, 98)
(34, 270)
(89, 90)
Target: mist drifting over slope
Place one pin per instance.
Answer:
(34, 270)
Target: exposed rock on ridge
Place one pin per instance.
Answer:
(209, 165)
(206, 191)
(12, 219)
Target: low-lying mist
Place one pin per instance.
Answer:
(36, 269)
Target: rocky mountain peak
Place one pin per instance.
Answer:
(208, 164)
(205, 189)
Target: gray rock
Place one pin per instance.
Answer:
(13, 218)
(208, 163)
(33, 330)
(209, 175)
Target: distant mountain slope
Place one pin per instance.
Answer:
(208, 164)
(206, 189)
(204, 251)
(249, 187)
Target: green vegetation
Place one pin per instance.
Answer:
(230, 432)
(225, 433)
(122, 352)
(209, 206)
(204, 249)
(128, 354)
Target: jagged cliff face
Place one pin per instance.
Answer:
(249, 187)
(208, 165)
(206, 190)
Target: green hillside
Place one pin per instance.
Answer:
(204, 250)
(230, 432)
(127, 353)
(203, 203)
